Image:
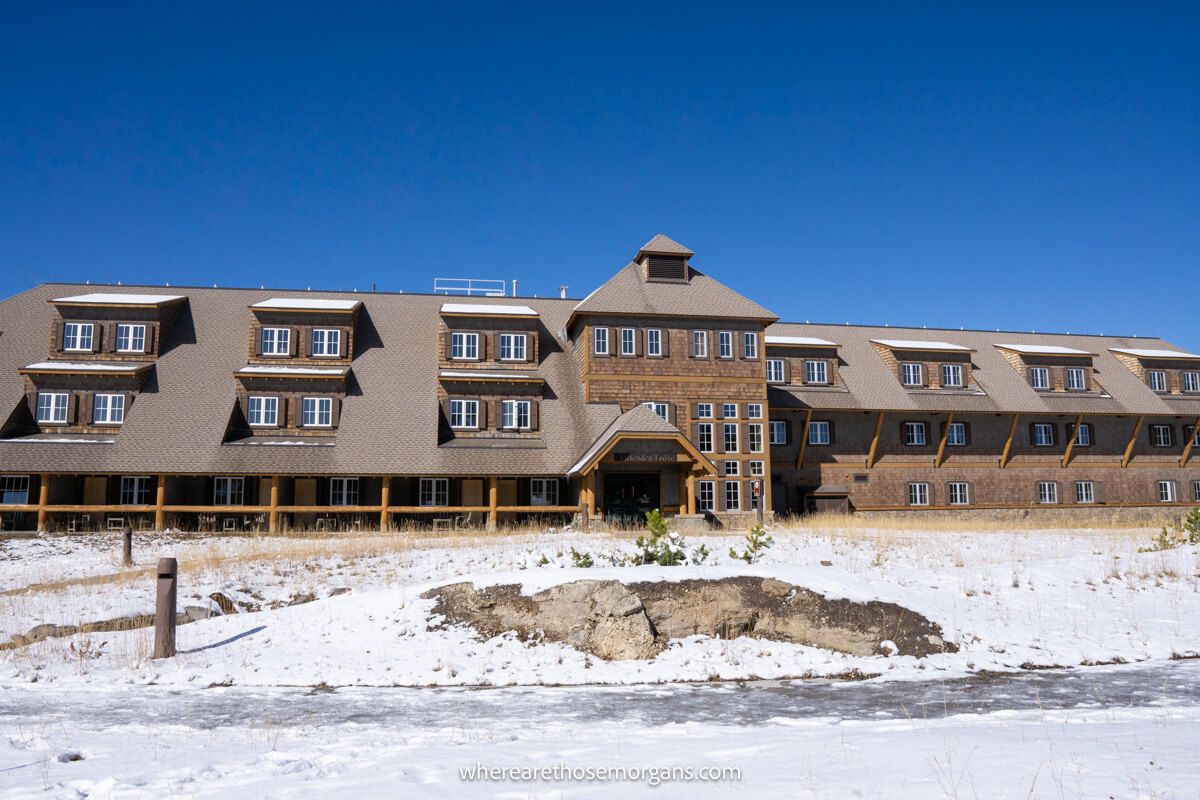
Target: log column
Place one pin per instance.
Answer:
(385, 497)
(273, 517)
(160, 499)
(43, 499)
(493, 502)
(691, 493)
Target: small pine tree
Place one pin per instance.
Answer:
(581, 559)
(757, 543)
(1192, 526)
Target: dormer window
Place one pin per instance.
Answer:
(749, 346)
(774, 370)
(464, 346)
(725, 344)
(1076, 379)
(816, 372)
(464, 414)
(325, 343)
(654, 342)
(108, 409)
(628, 342)
(1157, 379)
(52, 407)
(131, 338)
(912, 374)
(952, 376)
(1191, 382)
(514, 414)
(262, 411)
(699, 344)
(600, 341)
(1039, 377)
(276, 342)
(317, 412)
(78, 337)
(512, 347)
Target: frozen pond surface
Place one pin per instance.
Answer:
(1112, 687)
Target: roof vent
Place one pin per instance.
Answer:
(664, 259)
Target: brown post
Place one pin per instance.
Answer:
(1066, 459)
(385, 499)
(591, 493)
(273, 517)
(941, 453)
(1012, 431)
(1137, 426)
(160, 499)
(691, 493)
(127, 546)
(493, 500)
(164, 610)
(1187, 448)
(803, 439)
(875, 441)
(43, 499)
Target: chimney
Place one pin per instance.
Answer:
(562, 291)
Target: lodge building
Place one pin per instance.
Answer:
(229, 409)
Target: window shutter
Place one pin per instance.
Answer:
(695, 411)
(86, 402)
(640, 336)
(719, 410)
(788, 437)
(744, 435)
(335, 412)
(243, 404)
(534, 415)
(58, 336)
(671, 414)
(904, 435)
(787, 370)
(967, 433)
(257, 340)
(531, 340)
(832, 437)
(696, 434)
(304, 344)
(718, 438)
(151, 330)
(614, 347)
(73, 409)
(665, 338)
(281, 418)
(719, 495)
(445, 403)
(97, 337)
(343, 342)
(1032, 436)
(294, 342)
(493, 344)
(31, 401)
(110, 336)
(482, 419)
(447, 343)
(481, 351)
(128, 402)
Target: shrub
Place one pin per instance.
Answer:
(757, 543)
(663, 547)
(579, 559)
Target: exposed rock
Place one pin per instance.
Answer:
(224, 603)
(340, 590)
(197, 613)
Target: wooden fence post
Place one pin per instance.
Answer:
(127, 546)
(164, 611)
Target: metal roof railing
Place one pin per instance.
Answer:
(471, 287)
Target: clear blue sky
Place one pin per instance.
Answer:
(1008, 167)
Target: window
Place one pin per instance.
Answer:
(733, 496)
(600, 341)
(914, 434)
(700, 344)
(1039, 377)
(1196, 491)
(52, 407)
(730, 439)
(704, 433)
(325, 343)
(1160, 435)
(1157, 380)
(262, 410)
(1166, 491)
(819, 432)
(704, 410)
(725, 344)
(1083, 435)
(912, 374)
(464, 346)
(749, 345)
(732, 469)
(777, 432)
(1043, 434)
(343, 491)
(628, 342)
(317, 412)
(464, 413)
(434, 492)
(77, 336)
(135, 490)
(514, 414)
(1195, 433)
(660, 408)
(14, 490)
(729, 410)
(774, 370)
(704, 496)
(1076, 379)
(816, 372)
(918, 494)
(131, 339)
(952, 376)
(1047, 492)
(1191, 382)
(958, 493)
(543, 492)
(276, 342)
(757, 469)
(654, 342)
(108, 409)
(1085, 492)
(753, 410)
(229, 491)
(956, 435)
(755, 431)
(512, 347)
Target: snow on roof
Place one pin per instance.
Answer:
(270, 369)
(113, 299)
(1155, 353)
(55, 440)
(1045, 349)
(69, 366)
(913, 344)
(308, 304)
(486, 375)
(805, 341)
(491, 309)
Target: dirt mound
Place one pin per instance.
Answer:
(613, 620)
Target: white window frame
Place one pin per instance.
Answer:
(729, 410)
(733, 495)
(659, 407)
(543, 491)
(1039, 378)
(1190, 382)
(325, 343)
(704, 410)
(135, 490)
(956, 381)
(705, 496)
(754, 410)
(1162, 436)
(816, 371)
(280, 342)
(1085, 492)
(134, 337)
(513, 346)
(1167, 492)
(229, 491)
(1083, 435)
(704, 432)
(343, 491)
(654, 342)
(958, 493)
(600, 341)
(726, 429)
(59, 408)
(918, 493)
(750, 345)
(754, 430)
(1076, 379)
(317, 409)
(433, 492)
(109, 412)
(819, 432)
(628, 341)
(777, 432)
(14, 490)
(267, 412)
(912, 373)
(699, 344)
(757, 468)
(1047, 493)
(464, 346)
(516, 415)
(81, 335)
(732, 468)
(1196, 491)
(467, 413)
(1156, 379)
(956, 434)
(1043, 434)
(915, 434)
(725, 344)
(774, 370)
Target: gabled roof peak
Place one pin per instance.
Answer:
(663, 245)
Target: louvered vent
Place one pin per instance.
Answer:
(666, 268)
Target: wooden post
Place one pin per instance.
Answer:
(691, 493)
(875, 441)
(1012, 431)
(493, 517)
(1066, 459)
(43, 499)
(803, 439)
(1191, 441)
(273, 516)
(385, 499)
(127, 546)
(591, 493)
(941, 453)
(160, 499)
(164, 610)
(1137, 427)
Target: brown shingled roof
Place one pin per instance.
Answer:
(629, 293)
(664, 245)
